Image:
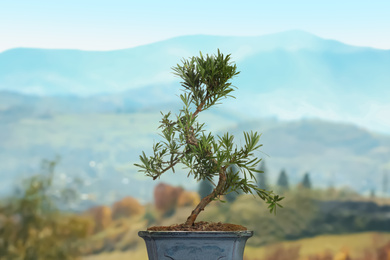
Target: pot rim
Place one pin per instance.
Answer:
(201, 231)
(240, 233)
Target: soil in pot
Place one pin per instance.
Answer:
(200, 226)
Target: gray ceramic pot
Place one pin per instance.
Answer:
(201, 245)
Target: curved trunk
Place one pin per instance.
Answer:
(219, 190)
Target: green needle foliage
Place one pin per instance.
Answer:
(206, 81)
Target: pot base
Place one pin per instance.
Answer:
(203, 245)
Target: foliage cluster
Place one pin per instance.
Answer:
(32, 227)
(205, 82)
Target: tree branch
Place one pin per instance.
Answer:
(218, 190)
(169, 167)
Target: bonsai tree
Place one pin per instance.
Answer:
(206, 81)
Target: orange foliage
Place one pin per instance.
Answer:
(383, 253)
(127, 207)
(102, 216)
(188, 198)
(344, 255)
(166, 197)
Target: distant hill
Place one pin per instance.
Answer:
(319, 103)
(283, 60)
(333, 153)
(290, 75)
(99, 144)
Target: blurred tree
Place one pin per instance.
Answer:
(372, 193)
(385, 183)
(205, 188)
(262, 177)
(283, 181)
(231, 196)
(102, 217)
(383, 253)
(188, 198)
(166, 197)
(32, 227)
(150, 218)
(306, 182)
(127, 207)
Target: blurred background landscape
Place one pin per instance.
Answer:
(73, 123)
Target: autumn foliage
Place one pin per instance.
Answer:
(188, 198)
(32, 226)
(102, 216)
(166, 197)
(127, 207)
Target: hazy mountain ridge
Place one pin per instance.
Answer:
(99, 110)
(266, 58)
(334, 153)
(290, 75)
(100, 146)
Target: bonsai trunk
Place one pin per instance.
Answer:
(218, 190)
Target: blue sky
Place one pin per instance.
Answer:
(118, 24)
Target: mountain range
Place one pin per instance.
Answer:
(99, 147)
(288, 75)
(321, 105)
